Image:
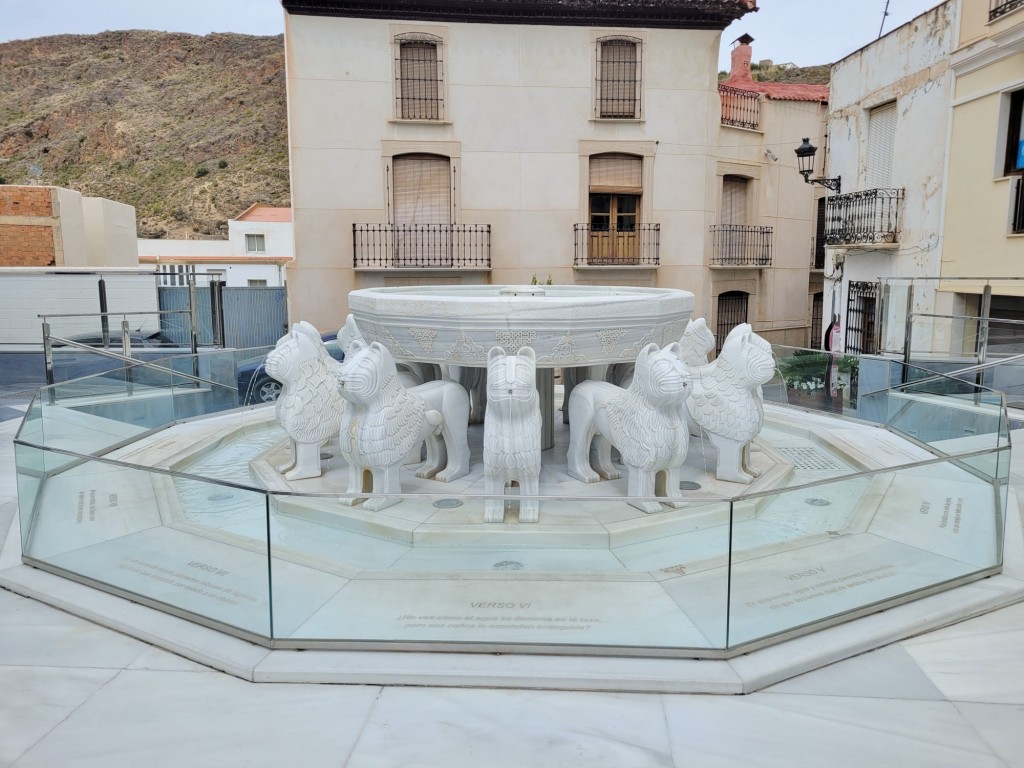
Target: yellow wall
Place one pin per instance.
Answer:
(978, 198)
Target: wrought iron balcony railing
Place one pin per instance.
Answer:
(421, 246)
(740, 108)
(997, 8)
(871, 217)
(638, 245)
(739, 245)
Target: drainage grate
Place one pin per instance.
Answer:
(508, 565)
(447, 503)
(811, 459)
(817, 501)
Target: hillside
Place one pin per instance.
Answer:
(814, 75)
(189, 129)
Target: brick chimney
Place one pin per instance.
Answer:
(742, 54)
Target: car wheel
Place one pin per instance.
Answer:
(267, 391)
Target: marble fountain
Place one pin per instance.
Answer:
(517, 534)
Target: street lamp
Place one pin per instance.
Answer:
(805, 164)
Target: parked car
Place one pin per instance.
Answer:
(255, 385)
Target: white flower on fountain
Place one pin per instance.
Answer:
(727, 403)
(644, 422)
(384, 420)
(309, 409)
(512, 432)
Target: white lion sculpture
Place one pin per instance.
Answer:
(512, 432)
(384, 420)
(696, 343)
(727, 403)
(309, 408)
(644, 422)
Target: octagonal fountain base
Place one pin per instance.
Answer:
(595, 576)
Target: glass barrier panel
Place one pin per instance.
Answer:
(875, 537)
(148, 534)
(591, 571)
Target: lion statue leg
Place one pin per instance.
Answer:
(730, 459)
(307, 462)
(529, 509)
(290, 461)
(494, 485)
(601, 458)
(747, 464)
(355, 488)
(673, 496)
(385, 480)
(640, 483)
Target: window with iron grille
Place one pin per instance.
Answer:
(817, 317)
(860, 318)
(997, 8)
(419, 84)
(732, 310)
(1018, 207)
(617, 92)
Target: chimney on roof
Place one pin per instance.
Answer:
(742, 54)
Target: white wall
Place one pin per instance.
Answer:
(277, 236)
(909, 65)
(110, 233)
(27, 293)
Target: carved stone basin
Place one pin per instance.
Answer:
(566, 325)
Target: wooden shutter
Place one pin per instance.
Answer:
(422, 189)
(734, 200)
(616, 173)
(881, 141)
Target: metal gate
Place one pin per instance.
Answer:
(732, 310)
(253, 317)
(860, 318)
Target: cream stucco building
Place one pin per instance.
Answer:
(983, 233)
(434, 142)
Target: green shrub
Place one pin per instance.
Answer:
(200, 172)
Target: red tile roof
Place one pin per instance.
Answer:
(267, 213)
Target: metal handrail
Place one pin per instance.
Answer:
(135, 362)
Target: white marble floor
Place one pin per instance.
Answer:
(75, 694)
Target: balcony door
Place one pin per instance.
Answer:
(615, 192)
(422, 195)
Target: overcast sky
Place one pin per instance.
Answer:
(800, 31)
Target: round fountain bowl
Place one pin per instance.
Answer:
(566, 325)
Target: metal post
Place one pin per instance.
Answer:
(193, 324)
(48, 359)
(908, 333)
(216, 313)
(126, 350)
(983, 323)
(104, 320)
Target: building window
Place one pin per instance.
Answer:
(618, 78)
(255, 244)
(1015, 135)
(817, 318)
(422, 210)
(616, 188)
(257, 283)
(881, 144)
(732, 310)
(419, 84)
(734, 199)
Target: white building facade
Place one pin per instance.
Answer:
(498, 143)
